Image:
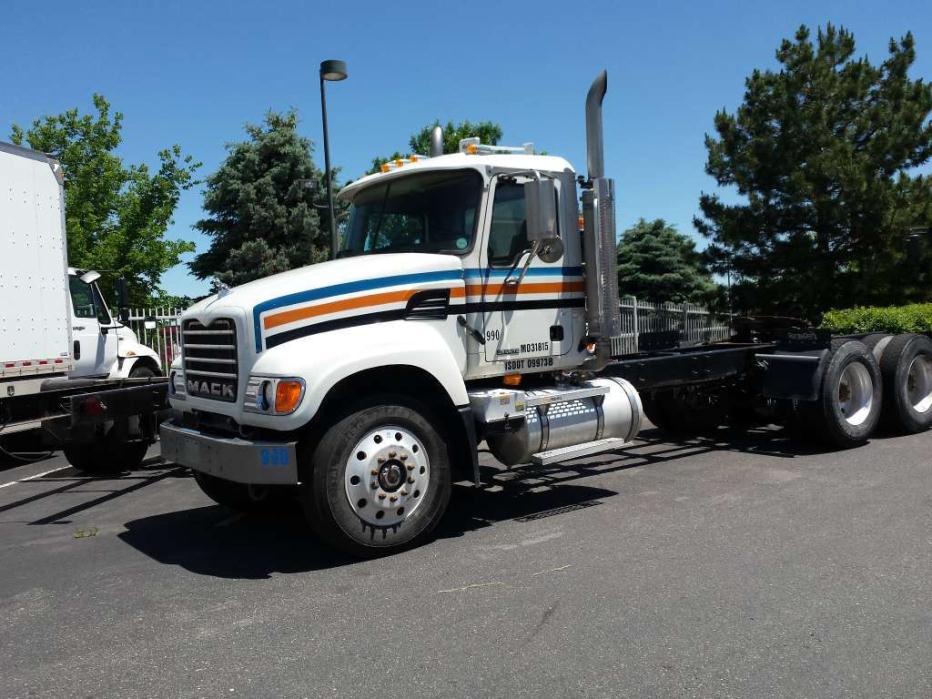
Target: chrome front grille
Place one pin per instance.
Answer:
(209, 352)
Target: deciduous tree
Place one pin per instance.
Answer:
(419, 143)
(116, 215)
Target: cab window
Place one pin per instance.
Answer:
(508, 233)
(87, 302)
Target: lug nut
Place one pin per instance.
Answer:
(381, 496)
(393, 498)
(404, 492)
(374, 485)
(410, 479)
(374, 472)
(403, 457)
(410, 467)
(381, 459)
(392, 454)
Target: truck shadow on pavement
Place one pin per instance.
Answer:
(215, 541)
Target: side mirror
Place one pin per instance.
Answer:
(122, 292)
(541, 201)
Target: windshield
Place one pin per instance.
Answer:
(424, 212)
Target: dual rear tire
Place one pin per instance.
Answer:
(906, 367)
(884, 379)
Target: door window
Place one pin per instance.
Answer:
(508, 232)
(87, 302)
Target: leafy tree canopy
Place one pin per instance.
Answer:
(116, 215)
(266, 206)
(419, 143)
(657, 263)
(823, 153)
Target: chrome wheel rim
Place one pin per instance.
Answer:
(855, 393)
(919, 383)
(386, 476)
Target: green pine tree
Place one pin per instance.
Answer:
(656, 263)
(266, 206)
(823, 153)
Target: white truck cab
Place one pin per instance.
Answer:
(102, 346)
(457, 304)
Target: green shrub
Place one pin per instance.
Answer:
(894, 319)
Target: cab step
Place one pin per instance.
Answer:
(544, 458)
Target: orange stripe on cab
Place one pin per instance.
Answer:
(306, 312)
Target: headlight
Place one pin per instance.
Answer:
(273, 395)
(176, 384)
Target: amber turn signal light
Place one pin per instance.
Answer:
(288, 394)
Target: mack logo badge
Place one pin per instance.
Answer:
(216, 389)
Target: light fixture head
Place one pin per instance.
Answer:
(333, 70)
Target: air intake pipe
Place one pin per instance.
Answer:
(603, 314)
(436, 142)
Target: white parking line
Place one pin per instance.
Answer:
(29, 478)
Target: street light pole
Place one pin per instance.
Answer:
(330, 70)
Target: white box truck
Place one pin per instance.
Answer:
(69, 371)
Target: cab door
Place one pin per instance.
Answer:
(528, 320)
(93, 334)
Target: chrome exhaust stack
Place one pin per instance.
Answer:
(603, 313)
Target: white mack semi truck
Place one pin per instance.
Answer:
(465, 305)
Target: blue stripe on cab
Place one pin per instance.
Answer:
(345, 288)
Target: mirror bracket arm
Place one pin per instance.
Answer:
(532, 253)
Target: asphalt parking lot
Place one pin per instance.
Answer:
(740, 566)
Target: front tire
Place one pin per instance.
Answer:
(143, 371)
(380, 480)
(236, 496)
(106, 456)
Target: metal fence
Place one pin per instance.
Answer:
(159, 329)
(692, 324)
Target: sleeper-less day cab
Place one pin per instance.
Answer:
(465, 304)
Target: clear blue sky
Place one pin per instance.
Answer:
(194, 72)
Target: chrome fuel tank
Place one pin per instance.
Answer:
(563, 423)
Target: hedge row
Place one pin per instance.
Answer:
(894, 319)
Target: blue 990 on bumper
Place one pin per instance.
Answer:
(230, 458)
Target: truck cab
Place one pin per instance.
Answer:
(456, 304)
(102, 347)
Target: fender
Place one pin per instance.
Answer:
(129, 352)
(326, 359)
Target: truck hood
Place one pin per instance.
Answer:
(330, 294)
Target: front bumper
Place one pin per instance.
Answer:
(230, 458)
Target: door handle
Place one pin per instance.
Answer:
(78, 327)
